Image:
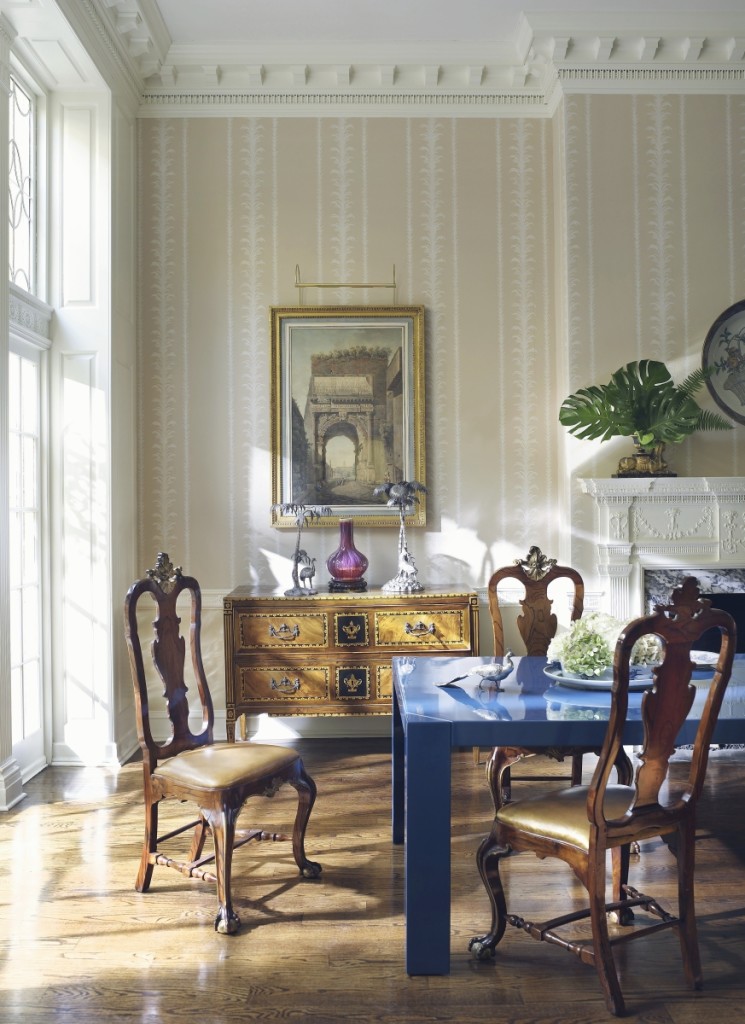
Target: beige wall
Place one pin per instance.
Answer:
(655, 250)
(463, 208)
(547, 254)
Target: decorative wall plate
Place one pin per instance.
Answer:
(724, 354)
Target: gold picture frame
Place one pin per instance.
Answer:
(347, 397)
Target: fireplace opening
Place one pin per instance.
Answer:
(724, 587)
(735, 605)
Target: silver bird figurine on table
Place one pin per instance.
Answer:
(496, 672)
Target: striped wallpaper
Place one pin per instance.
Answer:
(546, 253)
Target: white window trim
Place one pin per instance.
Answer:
(30, 325)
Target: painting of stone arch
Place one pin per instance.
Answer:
(348, 404)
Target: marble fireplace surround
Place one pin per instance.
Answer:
(651, 531)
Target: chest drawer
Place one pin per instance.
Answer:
(256, 631)
(423, 630)
(277, 684)
(290, 688)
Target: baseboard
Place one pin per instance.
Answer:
(271, 728)
(268, 728)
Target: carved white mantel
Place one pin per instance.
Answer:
(664, 522)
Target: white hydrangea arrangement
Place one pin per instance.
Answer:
(587, 648)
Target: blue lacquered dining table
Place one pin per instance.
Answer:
(530, 708)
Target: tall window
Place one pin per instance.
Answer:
(24, 447)
(25, 562)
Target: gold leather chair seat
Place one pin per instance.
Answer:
(562, 814)
(225, 764)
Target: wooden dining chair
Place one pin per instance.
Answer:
(580, 824)
(217, 777)
(537, 625)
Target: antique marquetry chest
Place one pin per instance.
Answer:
(330, 654)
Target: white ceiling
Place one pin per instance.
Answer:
(478, 23)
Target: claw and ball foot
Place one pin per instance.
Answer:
(483, 947)
(227, 921)
(311, 870)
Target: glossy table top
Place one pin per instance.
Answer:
(531, 708)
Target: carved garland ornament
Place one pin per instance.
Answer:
(733, 532)
(704, 523)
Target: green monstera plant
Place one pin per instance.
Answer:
(642, 401)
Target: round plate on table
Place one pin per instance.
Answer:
(704, 663)
(641, 679)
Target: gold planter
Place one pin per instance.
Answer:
(646, 461)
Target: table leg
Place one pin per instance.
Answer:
(398, 773)
(427, 849)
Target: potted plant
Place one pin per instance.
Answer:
(641, 401)
(587, 648)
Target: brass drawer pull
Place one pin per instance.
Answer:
(419, 629)
(285, 685)
(284, 632)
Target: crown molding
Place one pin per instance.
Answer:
(547, 57)
(142, 33)
(525, 76)
(415, 91)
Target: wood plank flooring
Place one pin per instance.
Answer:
(78, 944)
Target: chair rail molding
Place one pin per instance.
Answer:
(660, 523)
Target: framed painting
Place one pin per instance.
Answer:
(724, 357)
(347, 409)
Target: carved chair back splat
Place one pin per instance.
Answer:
(217, 777)
(537, 625)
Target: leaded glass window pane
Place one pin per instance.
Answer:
(20, 185)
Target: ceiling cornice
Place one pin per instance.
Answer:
(524, 75)
(142, 34)
(552, 64)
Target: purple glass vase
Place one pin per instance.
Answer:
(347, 565)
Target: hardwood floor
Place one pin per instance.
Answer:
(80, 945)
